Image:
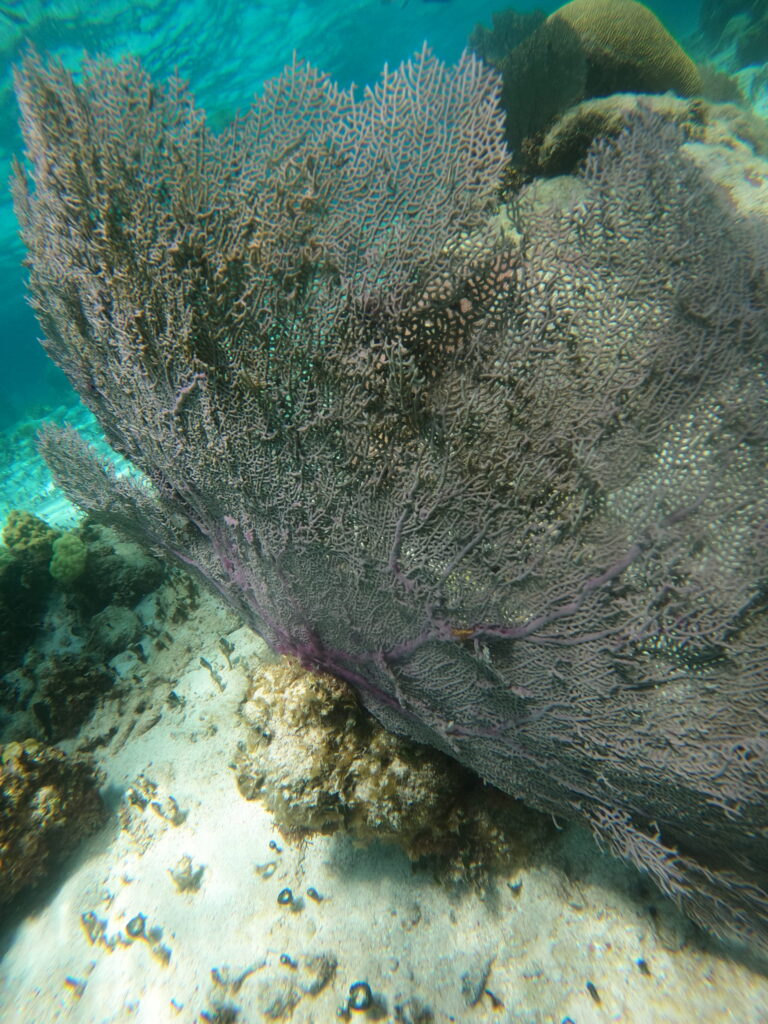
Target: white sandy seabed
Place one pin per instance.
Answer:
(117, 939)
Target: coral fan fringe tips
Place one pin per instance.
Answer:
(509, 484)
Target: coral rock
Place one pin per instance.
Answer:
(48, 802)
(320, 763)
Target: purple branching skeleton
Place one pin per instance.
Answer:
(501, 469)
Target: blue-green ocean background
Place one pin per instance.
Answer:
(225, 49)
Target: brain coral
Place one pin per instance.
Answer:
(28, 537)
(627, 48)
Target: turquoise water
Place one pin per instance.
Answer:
(225, 50)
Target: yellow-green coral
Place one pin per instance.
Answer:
(68, 559)
(627, 35)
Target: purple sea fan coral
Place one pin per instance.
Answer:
(509, 485)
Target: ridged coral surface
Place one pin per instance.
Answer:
(628, 33)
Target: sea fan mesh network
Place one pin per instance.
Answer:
(509, 485)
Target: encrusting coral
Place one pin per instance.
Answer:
(29, 538)
(567, 141)
(48, 802)
(321, 764)
(66, 603)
